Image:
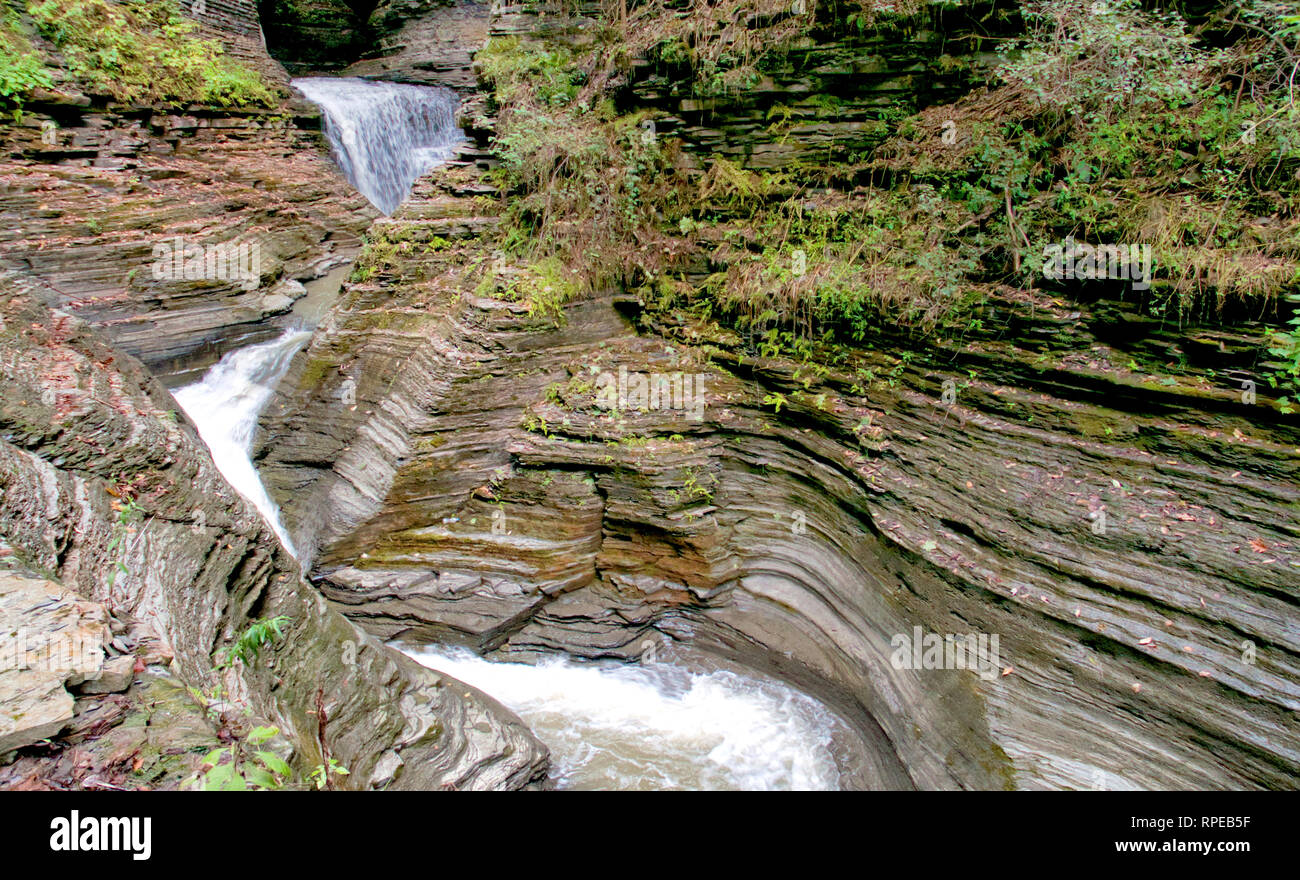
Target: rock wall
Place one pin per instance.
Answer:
(105, 487)
(426, 42)
(475, 491)
(89, 191)
(827, 95)
(430, 43)
(314, 36)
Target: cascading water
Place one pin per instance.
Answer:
(658, 726)
(609, 726)
(225, 405)
(384, 135)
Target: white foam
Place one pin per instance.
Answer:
(658, 726)
(384, 135)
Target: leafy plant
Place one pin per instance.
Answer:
(128, 513)
(1286, 346)
(21, 68)
(241, 766)
(145, 51)
(259, 634)
(323, 774)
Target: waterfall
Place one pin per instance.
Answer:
(384, 135)
(658, 726)
(225, 404)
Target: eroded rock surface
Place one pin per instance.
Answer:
(474, 490)
(105, 486)
(49, 639)
(95, 198)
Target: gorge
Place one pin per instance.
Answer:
(489, 574)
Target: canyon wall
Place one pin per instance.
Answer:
(93, 192)
(107, 488)
(1128, 533)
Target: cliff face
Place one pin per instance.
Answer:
(96, 196)
(1127, 533)
(449, 459)
(108, 489)
(477, 491)
(418, 41)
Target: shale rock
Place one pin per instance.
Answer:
(806, 520)
(49, 638)
(106, 486)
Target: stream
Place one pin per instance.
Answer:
(662, 725)
(659, 726)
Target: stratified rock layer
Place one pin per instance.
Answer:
(49, 638)
(104, 485)
(474, 490)
(94, 197)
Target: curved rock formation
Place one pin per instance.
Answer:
(476, 490)
(106, 487)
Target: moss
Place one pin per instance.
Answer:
(315, 371)
(145, 51)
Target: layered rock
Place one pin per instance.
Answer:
(49, 639)
(1128, 535)
(107, 488)
(430, 42)
(312, 36)
(96, 197)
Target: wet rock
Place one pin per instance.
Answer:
(105, 485)
(1160, 650)
(97, 200)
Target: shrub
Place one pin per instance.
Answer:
(21, 68)
(142, 50)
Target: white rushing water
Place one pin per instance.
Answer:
(657, 726)
(609, 726)
(225, 405)
(384, 135)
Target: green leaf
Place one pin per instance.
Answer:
(214, 757)
(217, 777)
(259, 735)
(261, 779)
(275, 763)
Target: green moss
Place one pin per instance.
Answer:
(545, 286)
(144, 50)
(315, 371)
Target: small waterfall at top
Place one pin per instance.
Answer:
(656, 726)
(384, 135)
(225, 405)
